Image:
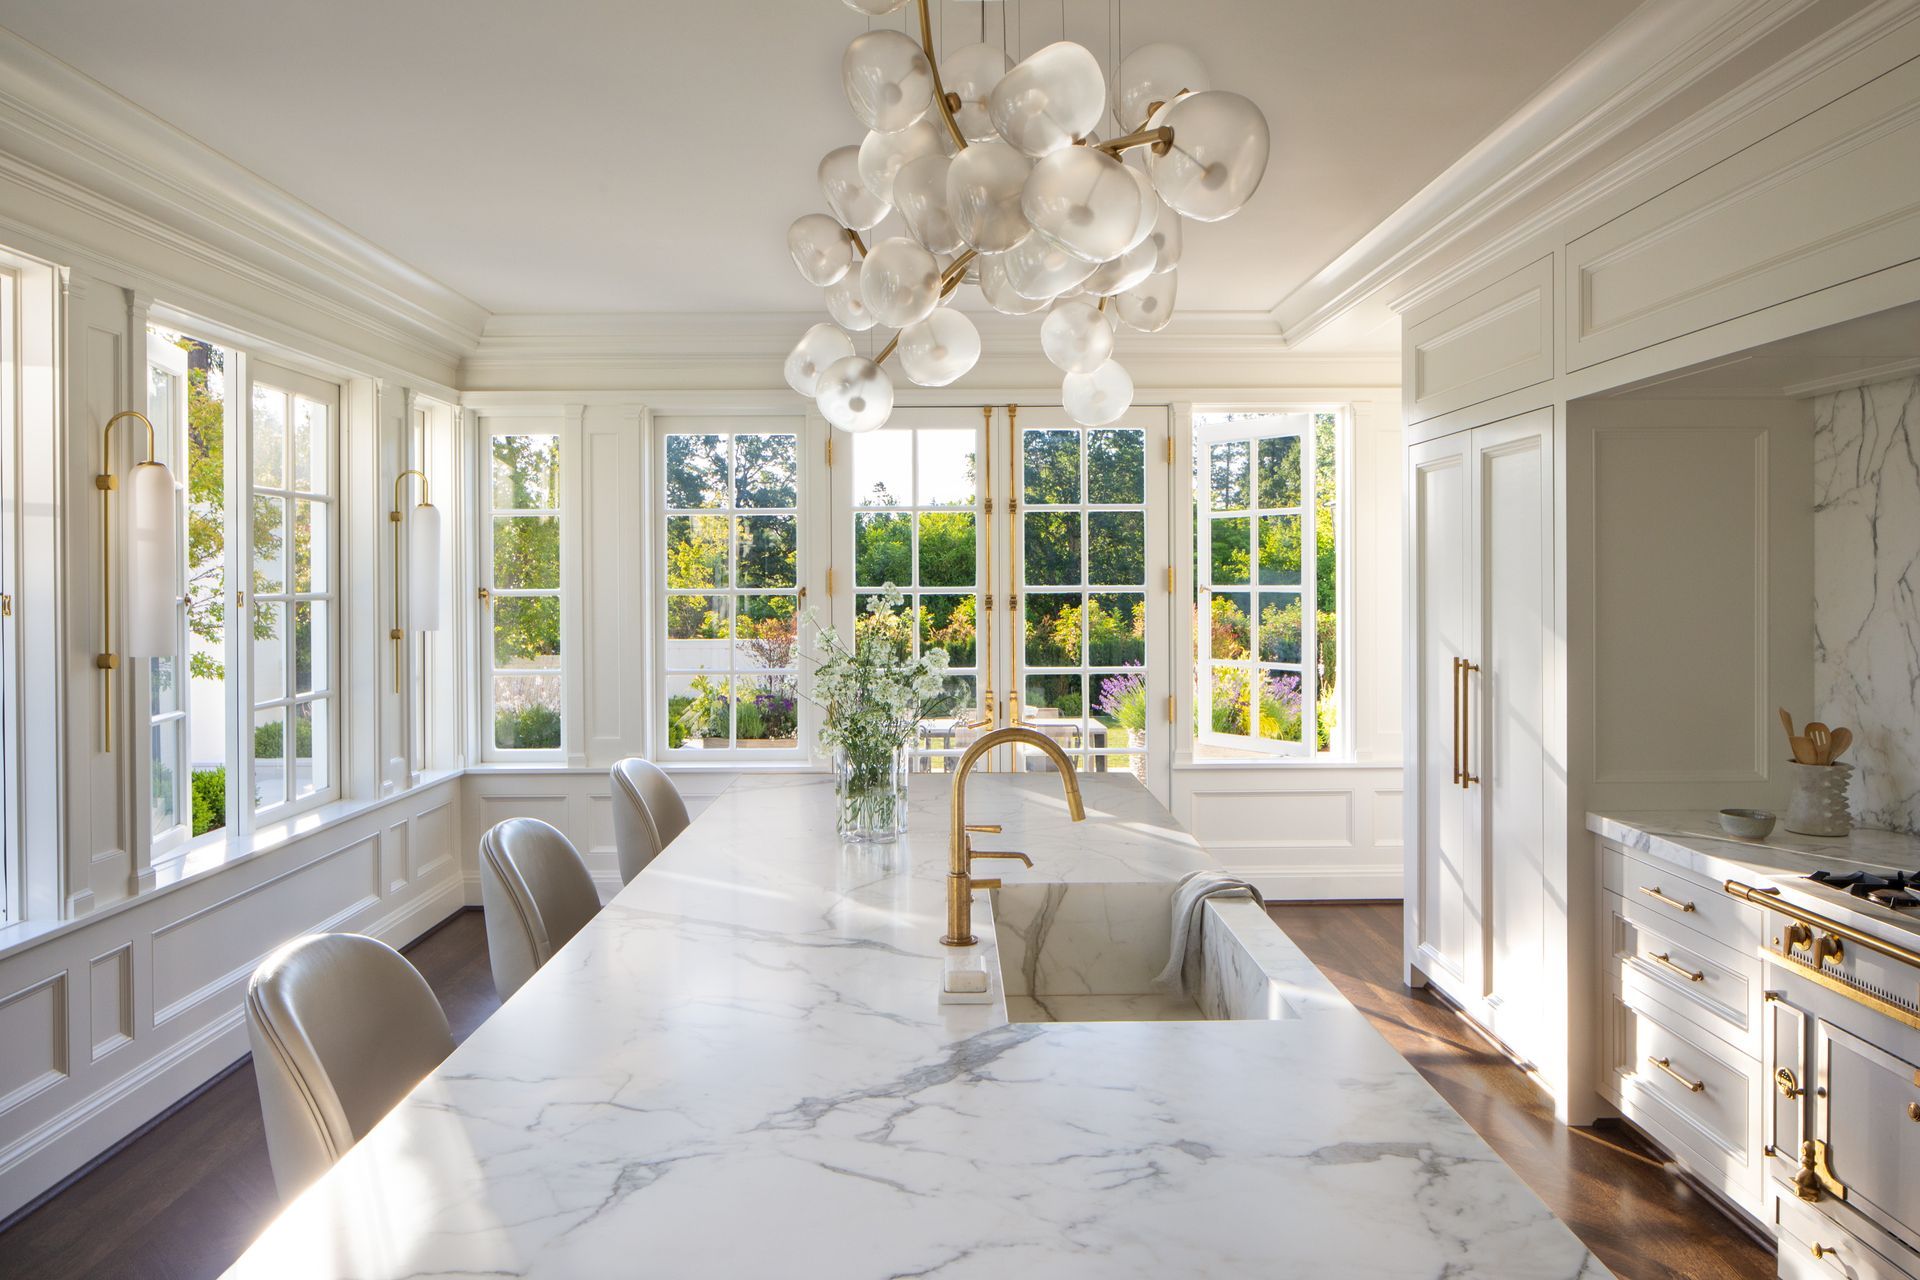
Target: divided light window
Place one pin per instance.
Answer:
(521, 560)
(730, 502)
(1266, 585)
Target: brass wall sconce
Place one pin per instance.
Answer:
(423, 567)
(152, 627)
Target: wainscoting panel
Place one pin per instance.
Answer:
(1299, 832)
(111, 1019)
(1493, 341)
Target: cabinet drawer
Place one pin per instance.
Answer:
(1719, 986)
(1695, 1096)
(1840, 1254)
(1682, 900)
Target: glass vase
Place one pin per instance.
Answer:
(872, 792)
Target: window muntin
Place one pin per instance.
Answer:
(1084, 604)
(1266, 587)
(730, 512)
(521, 564)
(917, 498)
(292, 719)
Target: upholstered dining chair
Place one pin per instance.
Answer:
(647, 814)
(537, 894)
(342, 1028)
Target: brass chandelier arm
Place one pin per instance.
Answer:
(1161, 140)
(859, 245)
(107, 661)
(940, 97)
(887, 350)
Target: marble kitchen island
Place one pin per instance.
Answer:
(741, 1068)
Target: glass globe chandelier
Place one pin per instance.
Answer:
(1002, 182)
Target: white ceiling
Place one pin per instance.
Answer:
(596, 156)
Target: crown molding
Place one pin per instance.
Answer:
(748, 349)
(71, 138)
(1512, 185)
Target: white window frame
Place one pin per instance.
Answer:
(1197, 500)
(245, 708)
(11, 906)
(658, 591)
(566, 436)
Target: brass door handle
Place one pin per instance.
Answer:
(1653, 891)
(1664, 960)
(1455, 680)
(1787, 1083)
(1467, 778)
(1666, 1065)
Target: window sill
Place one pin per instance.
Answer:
(196, 862)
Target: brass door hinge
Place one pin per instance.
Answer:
(987, 603)
(486, 596)
(6, 605)
(829, 450)
(1169, 450)
(829, 583)
(239, 599)
(1173, 709)
(1170, 579)
(1013, 602)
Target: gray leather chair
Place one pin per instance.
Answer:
(342, 1028)
(647, 814)
(537, 894)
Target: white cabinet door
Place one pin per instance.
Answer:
(1506, 722)
(1442, 872)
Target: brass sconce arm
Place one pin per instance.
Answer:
(396, 634)
(107, 661)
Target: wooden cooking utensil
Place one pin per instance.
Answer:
(1786, 722)
(1842, 739)
(1821, 739)
(1802, 749)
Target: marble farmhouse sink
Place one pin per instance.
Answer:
(1090, 952)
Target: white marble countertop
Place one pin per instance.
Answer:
(740, 1068)
(1694, 840)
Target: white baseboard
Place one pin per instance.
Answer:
(1332, 883)
(42, 1157)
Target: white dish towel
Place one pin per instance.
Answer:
(1193, 889)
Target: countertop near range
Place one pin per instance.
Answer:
(740, 1068)
(1692, 839)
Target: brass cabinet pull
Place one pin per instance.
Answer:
(1821, 1250)
(1653, 892)
(1663, 959)
(1913, 1112)
(1467, 778)
(1666, 1065)
(1787, 1083)
(1455, 679)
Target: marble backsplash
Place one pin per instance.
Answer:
(1866, 534)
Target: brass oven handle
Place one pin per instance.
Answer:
(1666, 1065)
(1456, 721)
(1771, 901)
(1666, 961)
(1653, 892)
(1467, 779)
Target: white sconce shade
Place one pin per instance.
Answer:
(153, 589)
(423, 569)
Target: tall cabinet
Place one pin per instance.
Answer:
(1481, 657)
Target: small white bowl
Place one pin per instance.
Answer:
(1747, 824)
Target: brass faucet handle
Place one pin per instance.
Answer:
(982, 884)
(998, 853)
(984, 828)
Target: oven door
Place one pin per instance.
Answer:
(1867, 1112)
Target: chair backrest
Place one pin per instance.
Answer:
(342, 1028)
(647, 814)
(537, 894)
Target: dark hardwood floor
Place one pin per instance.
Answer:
(1617, 1194)
(182, 1200)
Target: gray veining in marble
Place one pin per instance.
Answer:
(741, 1068)
(1866, 534)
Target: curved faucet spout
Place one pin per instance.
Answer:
(960, 855)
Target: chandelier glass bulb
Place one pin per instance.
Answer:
(1083, 201)
(984, 183)
(818, 347)
(883, 155)
(1076, 337)
(998, 290)
(1123, 273)
(1168, 241)
(855, 394)
(1155, 73)
(1097, 398)
(888, 80)
(1218, 156)
(820, 248)
(845, 303)
(939, 349)
(899, 282)
(1149, 205)
(857, 208)
(969, 73)
(1148, 306)
(920, 193)
(1039, 271)
(1050, 100)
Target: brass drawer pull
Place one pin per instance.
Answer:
(1666, 961)
(1653, 891)
(1821, 1251)
(1666, 1065)
(1913, 1112)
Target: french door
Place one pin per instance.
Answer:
(1036, 553)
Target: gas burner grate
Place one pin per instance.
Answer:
(1900, 889)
